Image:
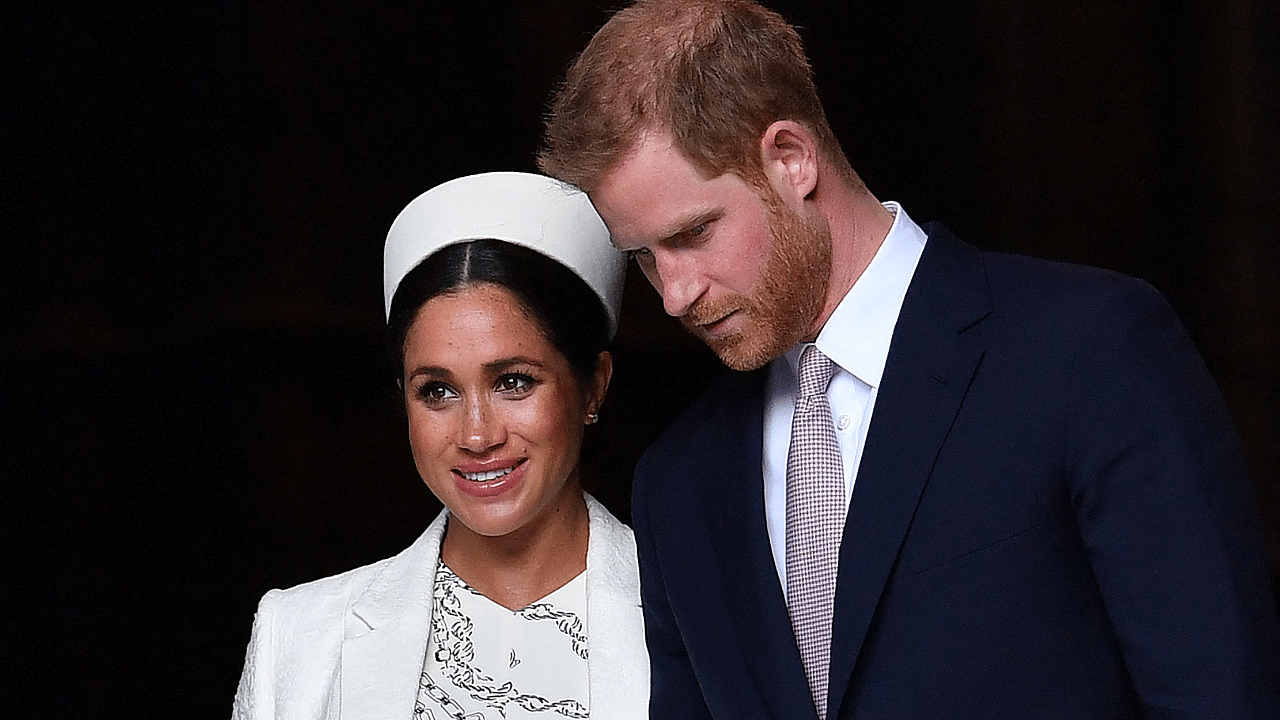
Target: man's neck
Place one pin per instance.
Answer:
(859, 224)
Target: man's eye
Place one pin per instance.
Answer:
(640, 254)
(516, 383)
(697, 230)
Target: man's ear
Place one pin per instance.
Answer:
(789, 156)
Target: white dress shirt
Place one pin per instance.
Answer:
(856, 337)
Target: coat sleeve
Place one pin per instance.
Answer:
(674, 693)
(255, 694)
(1165, 510)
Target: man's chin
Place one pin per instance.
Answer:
(749, 344)
(733, 348)
(739, 352)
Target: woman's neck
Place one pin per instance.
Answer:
(522, 567)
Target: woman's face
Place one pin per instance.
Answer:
(495, 414)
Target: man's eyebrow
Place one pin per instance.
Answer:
(688, 222)
(682, 224)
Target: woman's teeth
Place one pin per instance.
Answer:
(486, 476)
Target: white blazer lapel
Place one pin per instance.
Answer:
(387, 631)
(618, 664)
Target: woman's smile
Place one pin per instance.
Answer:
(490, 483)
(485, 475)
(496, 414)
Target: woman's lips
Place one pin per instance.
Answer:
(485, 475)
(479, 481)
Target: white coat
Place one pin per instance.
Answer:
(351, 646)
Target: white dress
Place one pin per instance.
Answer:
(486, 662)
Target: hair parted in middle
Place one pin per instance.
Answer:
(557, 300)
(712, 73)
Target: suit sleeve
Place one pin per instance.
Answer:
(1165, 510)
(674, 692)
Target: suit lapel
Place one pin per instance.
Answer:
(740, 541)
(387, 631)
(930, 365)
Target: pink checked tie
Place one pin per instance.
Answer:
(815, 515)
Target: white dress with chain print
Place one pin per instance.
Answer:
(485, 662)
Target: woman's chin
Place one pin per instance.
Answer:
(514, 513)
(492, 520)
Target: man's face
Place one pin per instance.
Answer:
(742, 271)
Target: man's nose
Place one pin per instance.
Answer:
(678, 281)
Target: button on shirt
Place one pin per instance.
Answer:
(856, 337)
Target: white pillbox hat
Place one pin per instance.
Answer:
(534, 211)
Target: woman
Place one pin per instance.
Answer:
(522, 599)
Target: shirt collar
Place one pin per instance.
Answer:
(857, 335)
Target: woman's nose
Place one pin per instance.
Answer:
(482, 428)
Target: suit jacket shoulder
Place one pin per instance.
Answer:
(728, 406)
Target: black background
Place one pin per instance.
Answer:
(193, 388)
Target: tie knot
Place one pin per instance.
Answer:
(816, 370)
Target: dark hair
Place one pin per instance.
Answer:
(566, 309)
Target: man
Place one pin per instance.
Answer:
(958, 484)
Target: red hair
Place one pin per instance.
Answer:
(714, 74)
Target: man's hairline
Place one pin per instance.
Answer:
(663, 131)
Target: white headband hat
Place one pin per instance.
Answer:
(533, 211)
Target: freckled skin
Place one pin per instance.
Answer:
(484, 390)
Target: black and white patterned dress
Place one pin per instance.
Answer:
(485, 662)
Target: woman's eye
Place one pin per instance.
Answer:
(515, 383)
(435, 393)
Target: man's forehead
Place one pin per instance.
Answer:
(657, 194)
(644, 142)
(638, 189)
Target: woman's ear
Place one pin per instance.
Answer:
(789, 156)
(599, 382)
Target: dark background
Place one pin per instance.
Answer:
(193, 388)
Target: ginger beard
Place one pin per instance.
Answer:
(781, 312)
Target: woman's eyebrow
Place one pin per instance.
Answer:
(432, 371)
(504, 363)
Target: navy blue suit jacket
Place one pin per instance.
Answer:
(1051, 520)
